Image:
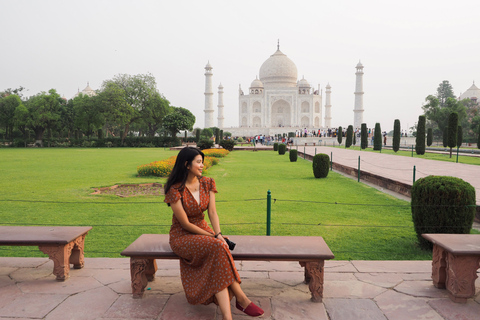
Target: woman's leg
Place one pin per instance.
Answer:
(240, 296)
(223, 300)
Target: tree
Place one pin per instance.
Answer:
(21, 121)
(437, 113)
(339, 135)
(459, 136)
(445, 91)
(8, 104)
(197, 131)
(349, 138)
(429, 136)
(364, 136)
(43, 112)
(478, 139)
(396, 135)
(420, 138)
(156, 108)
(207, 133)
(89, 114)
(452, 131)
(177, 120)
(377, 138)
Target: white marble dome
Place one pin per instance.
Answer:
(256, 84)
(278, 71)
(303, 83)
(472, 93)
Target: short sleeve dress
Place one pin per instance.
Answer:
(206, 264)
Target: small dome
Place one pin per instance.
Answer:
(256, 84)
(303, 83)
(328, 86)
(472, 92)
(278, 71)
(359, 65)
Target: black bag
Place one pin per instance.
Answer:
(231, 244)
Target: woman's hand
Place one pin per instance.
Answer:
(220, 237)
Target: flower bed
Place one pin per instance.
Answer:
(217, 153)
(163, 168)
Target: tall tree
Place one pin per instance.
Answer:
(44, 113)
(339, 135)
(452, 131)
(420, 138)
(377, 137)
(438, 113)
(445, 91)
(8, 104)
(89, 114)
(445, 137)
(459, 136)
(364, 136)
(396, 135)
(156, 109)
(21, 121)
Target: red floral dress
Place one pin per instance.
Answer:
(206, 264)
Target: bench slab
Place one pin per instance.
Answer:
(456, 258)
(311, 252)
(63, 245)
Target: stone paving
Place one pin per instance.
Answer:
(353, 290)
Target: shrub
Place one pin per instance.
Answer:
(163, 168)
(445, 137)
(420, 138)
(349, 137)
(459, 136)
(275, 146)
(321, 164)
(429, 137)
(205, 144)
(240, 139)
(377, 138)
(396, 135)
(227, 144)
(442, 204)
(339, 135)
(282, 148)
(293, 155)
(364, 137)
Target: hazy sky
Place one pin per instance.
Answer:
(407, 48)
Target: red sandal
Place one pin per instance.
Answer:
(252, 310)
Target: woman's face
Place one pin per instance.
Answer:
(196, 167)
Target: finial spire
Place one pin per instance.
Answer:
(278, 44)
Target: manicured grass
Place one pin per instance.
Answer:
(427, 155)
(53, 186)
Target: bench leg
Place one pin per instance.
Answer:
(138, 268)
(151, 269)
(77, 257)
(314, 277)
(439, 264)
(461, 275)
(60, 255)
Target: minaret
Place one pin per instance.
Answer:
(220, 107)
(358, 109)
(208, 96)
(328, 107)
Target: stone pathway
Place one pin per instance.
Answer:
(353, 290)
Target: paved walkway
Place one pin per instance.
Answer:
(353, 290)
(400, 168)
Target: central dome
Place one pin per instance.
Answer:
(278, 71)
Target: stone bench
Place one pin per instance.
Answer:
(63, 245)
(311, 252)
(456, 258)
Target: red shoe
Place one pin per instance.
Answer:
(252, 310)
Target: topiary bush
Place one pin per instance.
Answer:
(275, 146)
(396, 135)
(420, 138)
(282, 148)
(227, 144)
(429, 137)
(445, 137)
(340, 135)
(293, 155)
(377, 137)
(349, 137)
(442, 204)
(321, 164)
(205, 144)
(364, 136)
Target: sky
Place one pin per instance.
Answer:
(407, 48)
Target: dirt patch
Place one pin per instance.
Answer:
(132, 190)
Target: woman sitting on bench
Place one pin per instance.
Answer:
(207, 268)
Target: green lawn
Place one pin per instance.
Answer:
(427, 155)
(53, 186)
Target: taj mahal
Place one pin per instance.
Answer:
(277, 102)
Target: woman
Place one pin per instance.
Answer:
(207, 268)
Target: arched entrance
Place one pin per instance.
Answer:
(280, 116)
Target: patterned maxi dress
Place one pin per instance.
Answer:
(206, 264)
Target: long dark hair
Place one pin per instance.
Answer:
(180, 172)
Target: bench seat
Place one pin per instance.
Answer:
(63, 245)
(456, 258)
(311, 252)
